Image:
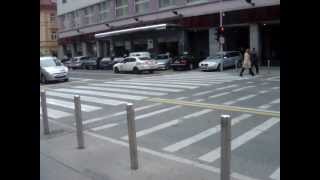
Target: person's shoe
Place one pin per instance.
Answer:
(240, 75)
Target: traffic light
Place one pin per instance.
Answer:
(221, 30)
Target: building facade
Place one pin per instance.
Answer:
(48, 28)
(117, 27)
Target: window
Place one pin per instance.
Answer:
(104, 11)
(197, 1)
(77, 18)
(64, 1)
(85, 20)
(61, 22)
(166, 3)
(53, 35)
(72, 23)
(142, 6)
(52, 17)
(122, 8)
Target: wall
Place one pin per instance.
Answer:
(72, 5)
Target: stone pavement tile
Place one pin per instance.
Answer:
(103, 160)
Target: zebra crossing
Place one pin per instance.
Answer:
(96, 96)
(193, 132)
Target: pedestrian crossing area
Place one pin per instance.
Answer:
(190, 132)
(96, 96)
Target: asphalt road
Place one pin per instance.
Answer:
(179, 113)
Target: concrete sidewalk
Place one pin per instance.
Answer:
(107, 159)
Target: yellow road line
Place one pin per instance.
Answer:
(216, 106)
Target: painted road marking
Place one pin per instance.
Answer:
(240, 99)
(159, 84)
(160, 154)
(239, 141)
(168, 82)
(104, 127)
(243, 88)
(157, 112)
(202, 93)
(275, 88)
(168, 124)
(110, 102)
(139, 87)
(202, 135)
(122, 90)
(226, 87)
(55, 114)
(124, 112)
(98, 93)
(276, 174)
(218, 95)
(70, 105)
(216, 106)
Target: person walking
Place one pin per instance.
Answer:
(254, 59)
(246, 63)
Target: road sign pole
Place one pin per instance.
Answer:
(132, 136)
(44, 112)
(225, 147)
(268, 66)
(79, 126)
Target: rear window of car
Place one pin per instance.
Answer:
(162, 57)
(144, 58)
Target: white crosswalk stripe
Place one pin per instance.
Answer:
(139, 87)
(55, 114)
(169, 124)
(169, 82)
(98, 93)
(202, 135)
(239, 141)
(219, 95)
(276, 174)
(110, 102)
(70, 105)
(154, 84)
(240, 99)
(151, 93)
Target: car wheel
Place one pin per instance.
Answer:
(218, 68)
(116, 70)
(83, 66)
(136, 70)
(151, 71)
(66, 80)
(174, 68)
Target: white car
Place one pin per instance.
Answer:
(140, 54)
(227, 58)
(135, 65)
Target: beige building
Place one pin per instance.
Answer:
(48, 27)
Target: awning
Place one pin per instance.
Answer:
(131, 30)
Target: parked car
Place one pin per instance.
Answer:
(90, 63)
(163, 61)
(77, 62)
(227, 58)
(185, 61)
(52, 69)
(66, 61)
(107, 63)
(140, 54)
(135, 65)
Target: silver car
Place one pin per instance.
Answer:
(163, 61)
(227, 58)
(51, 69)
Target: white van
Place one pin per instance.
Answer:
(140, 54)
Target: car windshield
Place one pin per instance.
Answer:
(50, 63)
(144, 58)
(216, 56)
(162, 57)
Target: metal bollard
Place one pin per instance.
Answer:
(79, 126)
(235, 66)
(132, 136)
(44, 112)
(268, 66)
(221, 66)
(225, 147)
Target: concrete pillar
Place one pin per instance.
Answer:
(213, 43)
(111, 46)
(98, 48)
(60, 52)
(84, 49)
(255, 38)
(73, 51)
(183, 42)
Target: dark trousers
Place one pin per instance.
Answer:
(256, 66)
(250, 71)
